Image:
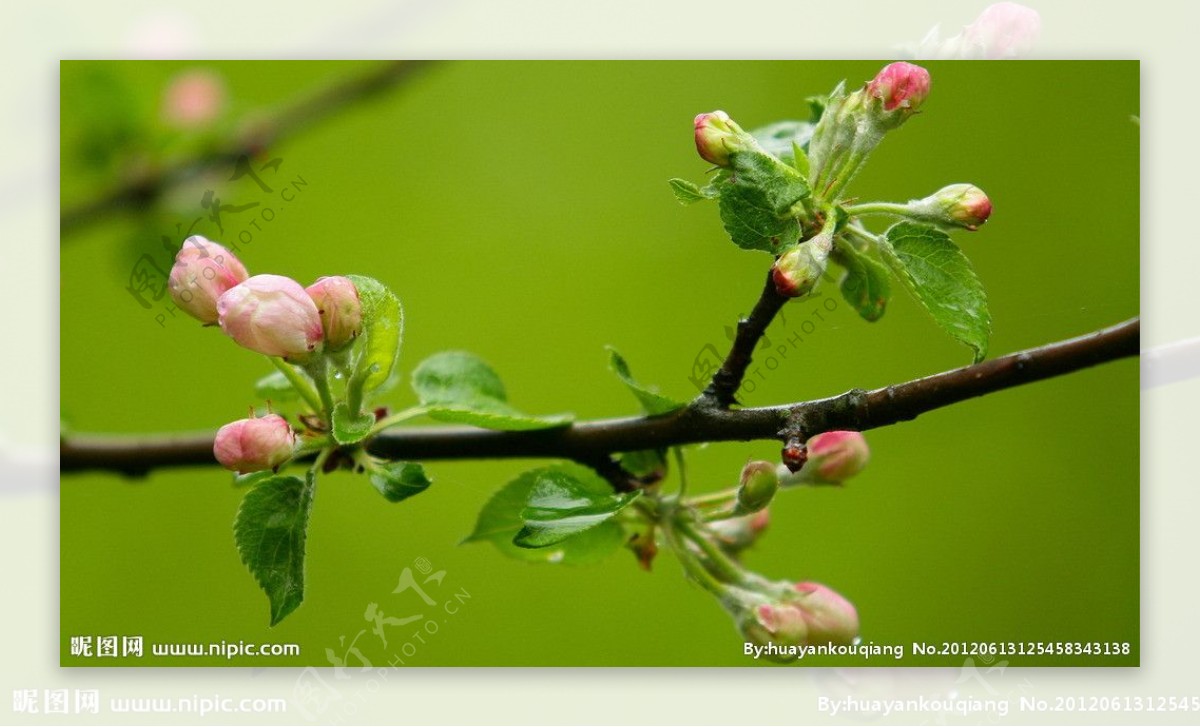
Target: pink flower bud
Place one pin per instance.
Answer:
(834, 457)
(759, 482)
(900, 86)
(717, 136)
(193, 99)
(337, 302)
(736, 534)
(828, 616)
(797, 270)
(272, 315)
(966, 205)
(784, 622)
(1002, 31)
(202, 272)
(251, 445)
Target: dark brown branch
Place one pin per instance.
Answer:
(722, 390)
(593, 442)
(140, 191)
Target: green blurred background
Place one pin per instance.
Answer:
(521, 211)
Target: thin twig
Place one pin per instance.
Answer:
(722, 390)
(138, 192)
(594, 442)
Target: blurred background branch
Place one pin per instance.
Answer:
(141, 187)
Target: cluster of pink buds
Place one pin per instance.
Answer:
(269, 314)
(804, 614)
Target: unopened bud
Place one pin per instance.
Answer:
(717, 136)
(338, 304)
(828, 616)
(759, 483)
(956, 205)
(897, 92)
(1002, 31)
(272, 315)
(252, 445)
(796, 272)
(736, 534)
(202, 272)
(834, 457)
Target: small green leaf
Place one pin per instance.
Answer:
(652, 402)
(938, 275)
(500, 521)
(460, 387)
(865, 287)
(781, 137)
(398, 481)
(270, 531)
(275, 387)
(782, 186)
(348, 429)
(751, 222)
(687, 193)
(800, 160)
(560, 506)
(383, 327)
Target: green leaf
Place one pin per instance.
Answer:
(275, 387)
(398, 481)
(866, 286)
(800, 160)
(460, 387)
(751, 222)
(687, 193)
(938, 275)
(560, 506)
(348, 429)
(270, 531)
(782, 186)
(500, 521)
(780, 137)
(383, 326)
(652, 402)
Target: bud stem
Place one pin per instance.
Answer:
(721, 564)
(843, 176)
(302, 385)
(695, 570)
(878, 208)
(318, 370)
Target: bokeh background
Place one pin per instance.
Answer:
(521, 211)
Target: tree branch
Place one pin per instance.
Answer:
(722, 390)
(148, 186)
(593, 442)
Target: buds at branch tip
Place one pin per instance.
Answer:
(338, 304)
(717, 136)
(955, 205)
(272, 315)
(202, 272)
(805, 614)
(829, 616)
(253, 445)
(834, 457)
(759, 482)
